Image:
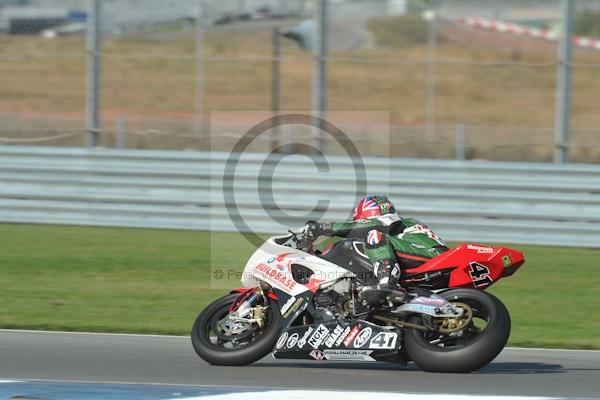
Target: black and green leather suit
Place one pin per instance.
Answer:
(390, 240)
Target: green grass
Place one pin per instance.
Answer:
(97, 279)
(156, 281)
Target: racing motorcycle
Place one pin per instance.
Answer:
(299, 303)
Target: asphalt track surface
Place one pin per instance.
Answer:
(169, 360)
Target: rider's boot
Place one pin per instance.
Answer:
(388, 291)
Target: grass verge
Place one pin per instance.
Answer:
(156, 281)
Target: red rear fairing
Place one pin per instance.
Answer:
(468, 265)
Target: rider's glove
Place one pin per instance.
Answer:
(314, 229)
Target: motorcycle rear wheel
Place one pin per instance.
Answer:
(221, 348)
(476, 347)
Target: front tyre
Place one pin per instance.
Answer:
(221, 341)
(469, 349)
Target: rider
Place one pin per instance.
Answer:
(392, 243)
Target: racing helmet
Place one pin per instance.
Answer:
(373, 206)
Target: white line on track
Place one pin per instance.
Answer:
(345, 395)
(275, 393)
(188, 338)
(198, 385)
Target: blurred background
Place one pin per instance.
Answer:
(460, 79)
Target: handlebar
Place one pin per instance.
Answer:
(302, 242)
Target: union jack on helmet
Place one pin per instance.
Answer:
(372, 207)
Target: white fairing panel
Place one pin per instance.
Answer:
(272, 262)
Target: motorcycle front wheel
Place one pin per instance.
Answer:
(475, 345)
(219, 340)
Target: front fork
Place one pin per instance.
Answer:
(245, 310)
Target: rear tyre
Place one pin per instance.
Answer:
(480, 342)
(219, 347)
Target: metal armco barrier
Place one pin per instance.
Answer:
(475, 201)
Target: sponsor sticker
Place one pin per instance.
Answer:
(304, 337)
(317, 338)
(506, 261)
(348, 340)
(421, 308)
(274, 275)
(348, 355)
(292, 308)
(342, 336)
(333, 336)
(429, 301)
(362, 337)
(293, 339)
(481, 249)
(286, 306)
(282, 340)
(317, 354)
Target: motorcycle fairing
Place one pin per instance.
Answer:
(469, 265)
(291, 307)
(333, 340)
(350, 255)
(276, 264)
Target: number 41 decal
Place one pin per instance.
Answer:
(480, 274)
(384, 340)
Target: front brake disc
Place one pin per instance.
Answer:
(228, 330)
